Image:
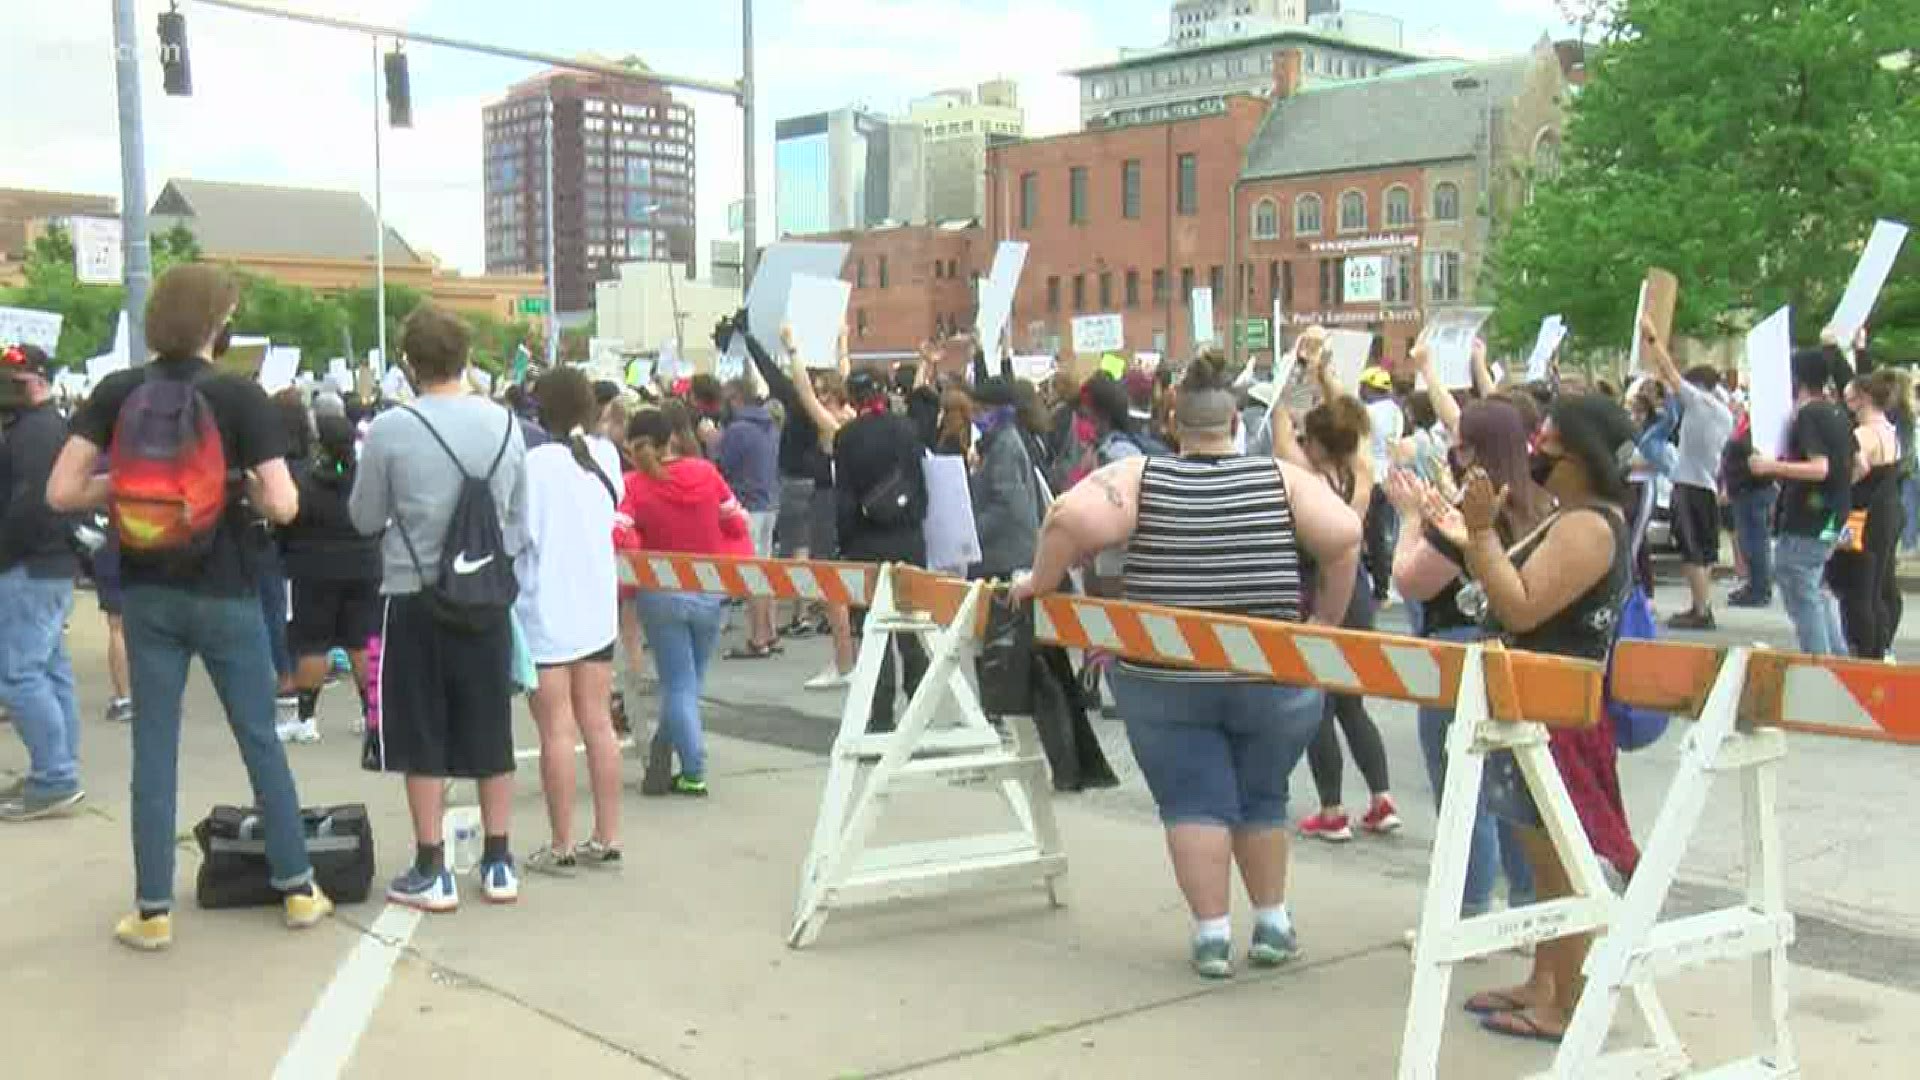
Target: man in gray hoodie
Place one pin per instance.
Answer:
(748, 457)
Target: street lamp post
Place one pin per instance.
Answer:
(553, 271)
(136, 247)
(379, 226)
(749, 227)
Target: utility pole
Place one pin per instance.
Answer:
(749, 225)
(136, 247)
(553, 271)
(380, 228)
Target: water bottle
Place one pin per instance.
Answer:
(462, 831)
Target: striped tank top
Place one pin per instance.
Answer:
(1214, 534)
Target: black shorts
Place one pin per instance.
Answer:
(1696, 524)
(445, 697)
(598, 656)
(332, 614)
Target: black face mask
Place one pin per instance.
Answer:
(1541, 465)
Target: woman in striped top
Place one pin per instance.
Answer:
(1219, 532)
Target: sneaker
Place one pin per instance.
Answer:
(1272, 946)
(427, 892)
(306, 909)
(1691, 620)
(499, 884)
(1334, 828)
(1212, 957)
(284, 729)
(830, 678)
(14, 789)
(120, 711)
(1744, 598)
(148, 934)
(306, 731)
(286, 709)
(690, 785)
(30, 807)
(1382, 817)
(555, 863)
(597, 855)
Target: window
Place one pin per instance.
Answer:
(1333, 284)
(883, 271)
(1397, 288)
(939, 269)
(1353, 212)
(1286, 294)
(953, 268)
(859, 273)
(1246, 284)
(1186, 286)
(1443, 275)
(1029, 199)
(1189, 166)
(1399, 208)
(1446, 202)
(1077, 195)
(1217, 284)
(1079, 292)
(1053, 293)
(1159, 288)
(860, 324)
(1133, 288)
(1306, 215)
(1266, 220)
(1130, 190)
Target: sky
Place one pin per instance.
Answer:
(283, 103)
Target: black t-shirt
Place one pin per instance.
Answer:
(1811, 508)
(251, 433)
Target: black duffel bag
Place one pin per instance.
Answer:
(233, 855)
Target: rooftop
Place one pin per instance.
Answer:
(1289, 36)
(256, 219)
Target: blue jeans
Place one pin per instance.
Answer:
(1218, 753)
(1494, 847)
(272, 582)
(1800, 564)
(1752, 530)
(36, 679)
(682, 629)
(166, 628)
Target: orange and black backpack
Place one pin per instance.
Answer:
(168, 469)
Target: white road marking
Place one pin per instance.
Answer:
(325, 1043)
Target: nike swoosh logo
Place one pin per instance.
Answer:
(464, 566)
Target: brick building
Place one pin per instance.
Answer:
(911, 283)
(1418, 168)
(1122, 219)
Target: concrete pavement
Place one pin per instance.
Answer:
(676, 966)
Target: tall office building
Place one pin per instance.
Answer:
(957, 127)
(847, 169)
(623, 179)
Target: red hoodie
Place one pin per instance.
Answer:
(690, 510)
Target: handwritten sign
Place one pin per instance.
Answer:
(1450, 337)
(97, 255)
(1365, 275)
(25, 326)
(1099, 333)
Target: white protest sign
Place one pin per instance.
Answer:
(279, 368)
(1869, 277)
(393, 385)
(1033, 368)
(24, 326)
(1347, 352)
(481, 379)
(1202, 316)
(996, 293)
(1148, 362)
(639, 372)
(1099, 334)
(952, 538)
(1553, 330)
(1770, 373)
(97, 257)
(817, 308)
(1365, 274)
(772, 282)
(668, 364)
(729, 368)
(72, 385)
(115, 359)
(377, 363)
(1450, 336)
(338, 375)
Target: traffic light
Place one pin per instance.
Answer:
(399, 98)
(176, 73)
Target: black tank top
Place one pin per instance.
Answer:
(1584, 628)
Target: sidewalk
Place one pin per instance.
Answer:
(677, 966)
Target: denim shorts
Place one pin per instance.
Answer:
(1217, 753)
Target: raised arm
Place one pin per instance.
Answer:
(777, 382)
(1445, 408)
(824, 421)
(1286, 443)
(1482, 373)
(1664, 368)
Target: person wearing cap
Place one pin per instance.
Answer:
(1385, 425)
(37, 566)
(1559, 591)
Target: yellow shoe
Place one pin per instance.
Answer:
(303, 910)
(148, 935)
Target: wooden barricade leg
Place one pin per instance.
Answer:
(1638, 949)
(841, 869)
(1445, 938)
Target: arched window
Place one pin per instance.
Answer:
(1546, 161)
(1446, 201)
(1306, 215)
(1399, 208)
(1266, 220)
(1353, 212)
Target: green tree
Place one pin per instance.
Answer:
(1746, 147)
(91, 313)
(292, 315)
(363, 316)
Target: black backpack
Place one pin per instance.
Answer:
(476, 585)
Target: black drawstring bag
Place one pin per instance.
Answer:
(1005, 667)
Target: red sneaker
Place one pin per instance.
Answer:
(1382, 817)
(1333, 828)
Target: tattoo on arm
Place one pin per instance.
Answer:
(1114, 497)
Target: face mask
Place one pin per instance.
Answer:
(1541, 465)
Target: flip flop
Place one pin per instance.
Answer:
(1488, 1002)
(754, 652)
(1520, 1025)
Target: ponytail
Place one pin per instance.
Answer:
(649, 433)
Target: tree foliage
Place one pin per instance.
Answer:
(91, 312)
(1746, 147)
